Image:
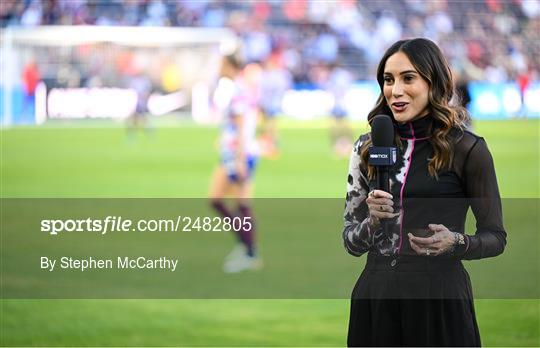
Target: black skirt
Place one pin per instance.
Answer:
(412, 301)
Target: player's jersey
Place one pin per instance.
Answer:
(274, 84)
(233, 100)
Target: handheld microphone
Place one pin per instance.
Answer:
(382, 154)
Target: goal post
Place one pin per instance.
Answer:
(71, 72)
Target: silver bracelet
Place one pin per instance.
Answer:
(455, 244)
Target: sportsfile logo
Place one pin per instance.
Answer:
(120, 224)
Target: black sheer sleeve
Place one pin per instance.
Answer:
(357, 236)
(482, 190)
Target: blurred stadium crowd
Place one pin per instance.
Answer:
(488, 40)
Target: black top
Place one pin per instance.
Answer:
(422, 199)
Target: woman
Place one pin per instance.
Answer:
(238, 158)
(414, 290)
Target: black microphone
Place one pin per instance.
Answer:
(382, 154)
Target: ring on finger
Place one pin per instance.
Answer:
(381, 208)
(428, 251)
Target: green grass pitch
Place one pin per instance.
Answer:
(95, 161)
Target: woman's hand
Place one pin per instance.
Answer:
(440, 242)
(380, 206)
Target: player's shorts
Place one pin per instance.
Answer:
(229, 163)
(339, 113)
(271, 112)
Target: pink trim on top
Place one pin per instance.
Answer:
(402, 188)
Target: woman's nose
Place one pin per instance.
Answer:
(397, 89)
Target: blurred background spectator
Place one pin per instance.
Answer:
(491, 40)
(299, 44)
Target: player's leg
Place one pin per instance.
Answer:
(269, 138)
(243, 194)
(219, 188)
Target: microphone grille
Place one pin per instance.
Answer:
(382, 131)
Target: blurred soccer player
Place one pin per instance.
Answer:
(341, 135)
(142, 85)
(30, 79)
(238, 157)
(275, 81)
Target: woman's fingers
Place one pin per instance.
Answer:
(380, 204)
(379, 201)
(425, 250)
(427, 241)
(437, 227)
(383, 214)
(373, 198)
(414, 246)
(381, 207)
(379, 197)
(380, 194)
(437, 244)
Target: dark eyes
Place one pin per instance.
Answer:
(389, 79)
(408, 77)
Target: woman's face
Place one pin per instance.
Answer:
(405, 90)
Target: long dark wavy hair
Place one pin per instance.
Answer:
(428, 60)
